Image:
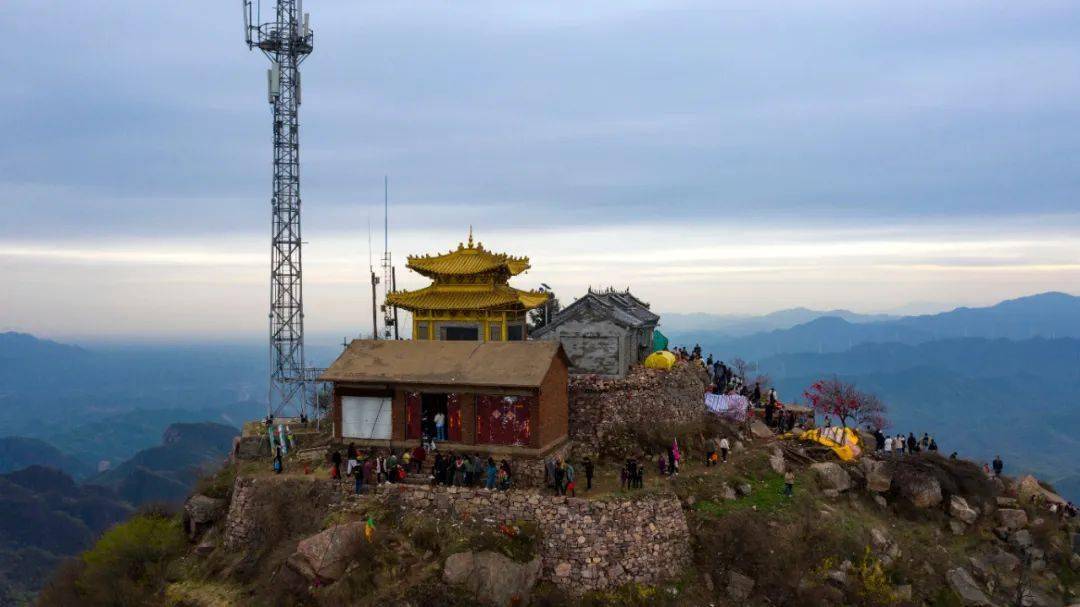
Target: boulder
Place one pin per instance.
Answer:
(879, 540)
(325, 555)
(966, 587)
(878, 478)
(1006, 502)
(727, 493)
(201, 511)
(776, 462)
(493, 578)
(740, 587)
(880, 501)
(1021, 539)
(830, 476)
(957, 527)
(923, 491)
(960, 510)
(1033, 597)
(1012, 518)
(744, 489)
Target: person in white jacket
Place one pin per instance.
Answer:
(440, 426)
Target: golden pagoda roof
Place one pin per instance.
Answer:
(437, 297)
(467, 260)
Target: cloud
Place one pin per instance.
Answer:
(707, 154)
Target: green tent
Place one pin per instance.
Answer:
(659, 341)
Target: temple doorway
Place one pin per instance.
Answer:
(430, 405)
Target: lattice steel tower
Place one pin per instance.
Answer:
(286, 41)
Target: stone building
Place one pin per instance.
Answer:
(469, 298)
(495, 397)
(603, 332)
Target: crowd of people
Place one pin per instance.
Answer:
(899, 444)
(374, 467)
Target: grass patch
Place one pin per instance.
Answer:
(767, 496)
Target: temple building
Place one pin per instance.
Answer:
(604, 332)
(469, 298)
(494, 397)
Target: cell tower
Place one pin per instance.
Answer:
(286, 40)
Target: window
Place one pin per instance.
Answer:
(421, 330)
(515, 333)
(461, 333)
(494, 332)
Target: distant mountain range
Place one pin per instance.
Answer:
(1045, 315)
(740, 325)
(18, 452)
(44, 517)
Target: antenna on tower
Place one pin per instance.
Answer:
(390, 328)
(286, 42)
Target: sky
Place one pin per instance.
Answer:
(724, 157)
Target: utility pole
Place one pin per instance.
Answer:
(286, 41)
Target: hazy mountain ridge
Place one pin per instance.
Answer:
(1044, 315)
(44, 517)
(740, 325)
(167, 472)
(18, 452)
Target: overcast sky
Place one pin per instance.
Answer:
(719, 157)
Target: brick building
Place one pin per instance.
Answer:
(507, 397)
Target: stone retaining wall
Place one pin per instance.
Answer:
(586, 544)
(265, 508)
(600, 408)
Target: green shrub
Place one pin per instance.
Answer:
(127, 565)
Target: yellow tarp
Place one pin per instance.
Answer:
(843, 441)
(660, 360)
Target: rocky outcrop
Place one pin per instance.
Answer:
(201, 512)
(960, 510)
(878, 477)
(325, 555)
(1012, 518)
(492, 578)
(831, 476)
(967, 588)
(739, 587)
(587, 545)
(923, 491)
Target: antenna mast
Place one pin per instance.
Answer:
(389, 280)
(286, 41)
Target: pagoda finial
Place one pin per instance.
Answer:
(470, 237)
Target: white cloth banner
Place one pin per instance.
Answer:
(728, 405)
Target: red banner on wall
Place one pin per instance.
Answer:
(503, 420)
(453, 417)
(413, 415)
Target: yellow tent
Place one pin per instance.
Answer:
(843, 441)
(660, 360)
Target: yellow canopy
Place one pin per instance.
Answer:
(843, 441)
(660, 360)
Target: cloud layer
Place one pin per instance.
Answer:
(733, 159)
